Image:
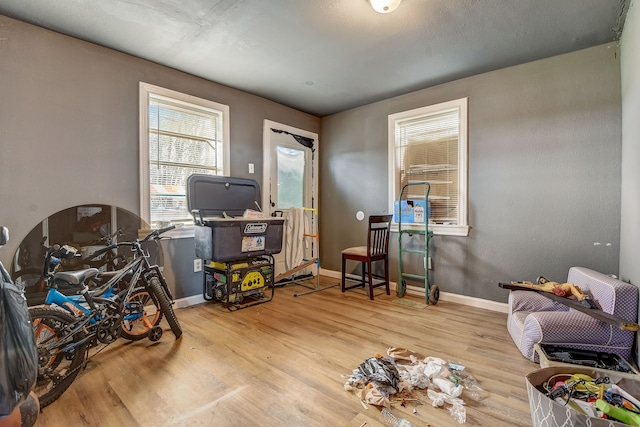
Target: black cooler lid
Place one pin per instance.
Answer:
(212, 195)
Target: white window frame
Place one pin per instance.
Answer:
(462, 228)
(146, 90)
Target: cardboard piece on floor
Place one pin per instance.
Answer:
(593, 312)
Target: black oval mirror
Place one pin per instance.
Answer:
(90, 229)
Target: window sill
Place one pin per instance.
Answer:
(438, 229)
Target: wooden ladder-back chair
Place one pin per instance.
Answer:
(377, 249)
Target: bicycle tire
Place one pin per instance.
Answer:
(156, 287)
(28, 277)
(28, 270)
(146, 313)
(56, 369)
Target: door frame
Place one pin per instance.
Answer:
(266, 160)
(266, 175)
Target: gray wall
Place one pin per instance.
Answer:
(544, 147)
(69, 131)
(544, 173)
(630, 205)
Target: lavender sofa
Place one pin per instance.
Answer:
(533, 318)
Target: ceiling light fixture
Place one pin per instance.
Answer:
(384, 6)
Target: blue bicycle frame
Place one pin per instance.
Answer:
(80, 305)
(78, 302)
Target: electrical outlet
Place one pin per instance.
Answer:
(427, 263)
(197, 265)
(251, 169)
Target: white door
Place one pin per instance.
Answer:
(290, 181)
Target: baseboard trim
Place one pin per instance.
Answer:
(500, 307)
(187, 301)
(330, 273)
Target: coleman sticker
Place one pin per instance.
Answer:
(255, 228)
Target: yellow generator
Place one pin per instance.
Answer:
(234, 281)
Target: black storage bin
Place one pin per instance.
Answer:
(233, 239)
(221, 234)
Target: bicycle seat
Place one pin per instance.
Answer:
(76, 277)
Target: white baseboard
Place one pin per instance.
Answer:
(187, 301)
(331, 273)
(444, 296)
(501, 307)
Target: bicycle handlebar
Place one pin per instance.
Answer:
(154, 234)
(101, 251)
(56, 253)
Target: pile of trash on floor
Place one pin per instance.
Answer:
(404, 372)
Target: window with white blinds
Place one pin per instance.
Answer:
(430, 144)
(180, 135)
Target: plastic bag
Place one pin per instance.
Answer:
(18, 351)
(439, 399)
(435, 367)
(459, 413)
(414, 373)
(380, 371)
(447, 387)
(471, 388)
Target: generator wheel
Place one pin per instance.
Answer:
(434, 294)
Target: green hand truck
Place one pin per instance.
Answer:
(431, 292)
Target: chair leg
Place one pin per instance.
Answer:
(386, 275)
(344, 266)
(370, 280)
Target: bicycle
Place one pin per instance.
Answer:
(106, 258)
(67, 326)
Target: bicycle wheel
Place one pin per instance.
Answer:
(141, 313)
(30, 274)
(58, 366)
(165, 305)
(30, 279)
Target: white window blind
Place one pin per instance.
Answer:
(183, 137)
(429, 144)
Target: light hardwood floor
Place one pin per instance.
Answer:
(285, 362)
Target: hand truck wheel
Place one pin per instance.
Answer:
(155, 333)
(402, 288)
(434, 294)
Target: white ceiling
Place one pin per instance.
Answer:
(326, 56)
